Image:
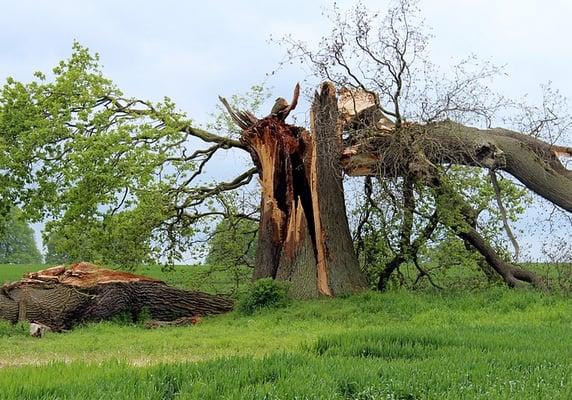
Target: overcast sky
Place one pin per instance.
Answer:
(192, 51)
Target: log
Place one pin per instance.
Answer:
(60, 298)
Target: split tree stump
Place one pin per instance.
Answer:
(303, 237)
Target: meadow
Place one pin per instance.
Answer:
(480, 343)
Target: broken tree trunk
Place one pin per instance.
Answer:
(303, 234)
(304, 237)
(61, 298)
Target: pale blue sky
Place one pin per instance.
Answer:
(192, 51)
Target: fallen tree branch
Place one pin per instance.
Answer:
(533, 162)
(61, 298)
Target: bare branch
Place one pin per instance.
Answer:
(243, 119)
(503, 213)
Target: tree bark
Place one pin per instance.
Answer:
(511, 274)
(304, 237)
(86, 293)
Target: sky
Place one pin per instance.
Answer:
(193, 51)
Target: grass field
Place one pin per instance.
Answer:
(487, 343)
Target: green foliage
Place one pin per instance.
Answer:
(123, 239)
(451, 252)
(93, 168)
(132, 319)
(17, 244)
(475, 187)
(466, 189)
(111, 174)
(233, 243)
(8, 329)
(264, 293)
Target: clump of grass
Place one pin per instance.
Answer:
(264, 293)
(8, 329)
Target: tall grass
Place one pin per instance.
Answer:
(484, 343)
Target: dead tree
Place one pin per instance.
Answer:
(61, 298)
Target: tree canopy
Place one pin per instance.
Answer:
(233, 242)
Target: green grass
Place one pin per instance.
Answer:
(11, 273)
(487, 343)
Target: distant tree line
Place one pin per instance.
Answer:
(17, 244)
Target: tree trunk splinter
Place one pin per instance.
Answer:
(304, 236)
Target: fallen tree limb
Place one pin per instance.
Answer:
(464, 225)
(533, 162)
(61, 298)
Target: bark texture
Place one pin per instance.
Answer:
(533, 162)
(61, 298)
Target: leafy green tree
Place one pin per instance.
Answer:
(233, 243)
(431, 246)
(122, 239)
(53, 255)
(17, 244)
(112, 174)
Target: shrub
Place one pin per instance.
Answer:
(264, 293)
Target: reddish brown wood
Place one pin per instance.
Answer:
(61, 298)
(304, 235)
